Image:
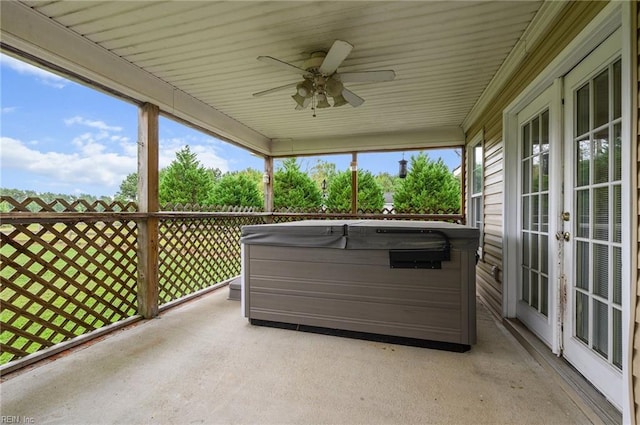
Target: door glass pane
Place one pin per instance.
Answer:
(582, 265)
(544, 254)
(526, 217)
(534, 290)
(582, 110)
(601, 99)
(535, 213)
(583, 148)
(525, 249)
(534, 250)
(544, 295)
(617, 90)
(617, 275)
(601, 270)
(544, 172)
(582, 213)
(526, 173)
(617, 338)
(617, 152)
(525, 285)
(582, 316)
(601, 213)
(601, 156)
(601, 328)
(535, 173)
(535, 136)
(617, 213)
(544, 212)
(526, 140)
(544, 131)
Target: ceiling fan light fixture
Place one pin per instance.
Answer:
(299, 100)
(322, 101)
(305, 88)
(334, 87)
(339, 100)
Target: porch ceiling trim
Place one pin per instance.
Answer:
(534, 33)
(28, 31)
(396, 141)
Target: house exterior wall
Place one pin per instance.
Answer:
(574, 17)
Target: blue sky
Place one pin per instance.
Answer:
(62, 137)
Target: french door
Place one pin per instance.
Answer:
(538, 194)
(593, 253)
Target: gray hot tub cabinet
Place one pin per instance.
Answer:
(398, 278)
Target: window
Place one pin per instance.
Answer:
(475, 210)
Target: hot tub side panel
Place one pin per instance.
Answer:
(356, 290)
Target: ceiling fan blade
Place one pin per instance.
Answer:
(366, 76)
(353, 99)
(284, 65)
(338, 52)
(275, 89)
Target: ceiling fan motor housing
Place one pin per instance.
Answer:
(314, 62)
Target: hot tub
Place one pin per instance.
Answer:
(405, 279)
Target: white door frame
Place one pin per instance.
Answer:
(613, 16)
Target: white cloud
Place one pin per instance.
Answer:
(207, 154)
(44, 77)
(91, 166)
(100, 125)
(8, 109)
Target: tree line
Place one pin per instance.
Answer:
(48, 197)
(428, 187)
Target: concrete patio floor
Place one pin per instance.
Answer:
(201, 362)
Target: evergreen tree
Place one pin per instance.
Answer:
(236, 189)
(128, 188)
(370, 196)
(185, 181)
(429, 188)
(294, 189)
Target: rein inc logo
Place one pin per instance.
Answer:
(12, 419)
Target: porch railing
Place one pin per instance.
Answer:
(69, 270)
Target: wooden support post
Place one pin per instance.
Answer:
(267, 179)
(354, 183)
(148, 203)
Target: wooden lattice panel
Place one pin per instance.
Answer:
(198, 253)
(61, 205)
(208, 208)
(63, 280)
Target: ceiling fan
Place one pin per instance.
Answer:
(322, 81)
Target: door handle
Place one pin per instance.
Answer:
(563, 235)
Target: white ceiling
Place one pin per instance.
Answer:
(444, 55)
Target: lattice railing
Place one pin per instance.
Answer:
(62, 205)
(198, 253)
(64, 275)
(63, 280)
(209, 208)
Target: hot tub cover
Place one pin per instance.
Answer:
(362, 234)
